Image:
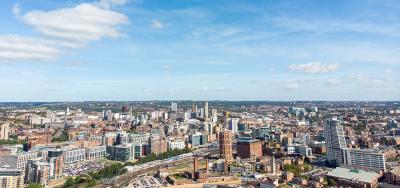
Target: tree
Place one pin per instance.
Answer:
(78, 180)
(91, 183)
(35, 185)
(331, 182)
(70, 182)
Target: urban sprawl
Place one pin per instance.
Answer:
(200, 144)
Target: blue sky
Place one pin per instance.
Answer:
(199, 50)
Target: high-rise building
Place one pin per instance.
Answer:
(38, 172)
(206, 111)
(335, 141)
(174, 106)
(225, 146)
(233, 125)
(5, 130)
(56, 167)
(214, 112)
(392, 124)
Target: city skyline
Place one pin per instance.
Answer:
(131, 50)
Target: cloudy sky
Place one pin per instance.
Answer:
(200, 50)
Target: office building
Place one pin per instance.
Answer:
(94, 153)
(198, 139)
(120, 152)
(74, 155)
(233, 125)
(335, 141)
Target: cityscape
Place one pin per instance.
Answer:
(200, 94)
(200, 144)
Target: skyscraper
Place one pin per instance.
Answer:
(5, 129)
(174, 106)
(335, 141)
(233, 125)
(206, 111)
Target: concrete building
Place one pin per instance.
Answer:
(177, 144)
(198, 139)
(304, 151)
(5, 131)
(94, 153)
(335, 141)
(18, 160)
(120, 152)
(72, 156)
(233, 125)
(365, 159)
(174, 106)
(56, 167)
(206, 111)
(11, 178)
(37, 172)
(139, 138)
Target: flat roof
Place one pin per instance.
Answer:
(354, 174)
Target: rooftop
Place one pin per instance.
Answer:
(354, 175)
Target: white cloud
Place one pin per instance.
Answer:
(157, 24)
(14, 48)
(358, 77)
(70, 27)
(204, 88)
(16, 10)
(314, 67)
(319, 25)
(292, 85)
(333, 81)
(108, 3)
(83, 23)
(388, 71)
(165, 67)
